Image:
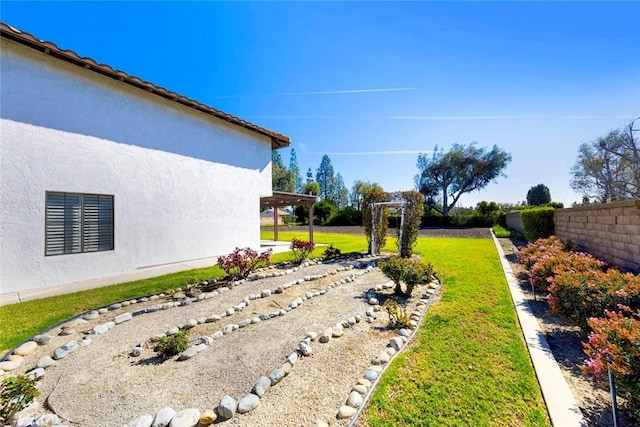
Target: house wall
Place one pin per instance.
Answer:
(185, 185)
(609, 231)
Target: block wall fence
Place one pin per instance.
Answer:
(608, 231)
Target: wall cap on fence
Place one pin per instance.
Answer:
(593, 206)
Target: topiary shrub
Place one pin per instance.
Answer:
(16, 393)
(537, 222)
(171, 345)
(408, 271)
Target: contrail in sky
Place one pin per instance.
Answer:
(376, 153)
(321, 92)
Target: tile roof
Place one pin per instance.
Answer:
(26, 39)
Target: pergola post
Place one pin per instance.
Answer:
(311, 222)
(275, 223)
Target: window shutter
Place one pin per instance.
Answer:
(78, 223)
(54, 224)
(72, 223)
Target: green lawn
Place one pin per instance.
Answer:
(469, 364)
(19, 322)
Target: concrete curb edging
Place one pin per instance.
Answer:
(561, 405)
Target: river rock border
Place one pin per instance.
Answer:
(228, 406)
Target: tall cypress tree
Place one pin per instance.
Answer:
(295, 169)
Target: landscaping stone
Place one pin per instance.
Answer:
(42, 339)
(163, 417)
(262, 385)
(248, 403)
(227, 407)
(305, 349)
(47, 420)
(15, 357)
(337, 333)
(360, 389)
(346, 412)
(319, 423)
(136, 352)
(286, 368)
(188, 353)
(67, 331)
(370, 375)
(292, 358)
(64, 350)
(143, 421)
(9, 365)
(101, 329)
(45, 362)
(186, 418)
(124, 317)
(276, 376)
(396, 343)
(26, 348)
(208, 417)
(115, 306)
(355, 399)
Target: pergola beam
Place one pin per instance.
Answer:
(281, 198)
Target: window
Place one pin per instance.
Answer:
(77, 223)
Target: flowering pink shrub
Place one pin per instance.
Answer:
(579, 295)
(617, 336)
(530, 254)
(239, 263)
(301, 249)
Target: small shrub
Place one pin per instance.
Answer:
(239, 263)
(537, 222)
(301, 249)
(172, 344)
(398, 317)
(345, 216)
(404, 270)
(580, 295)
(332, 252)
(617, 336)
(541, 274)
(530, 254)
(16, 393)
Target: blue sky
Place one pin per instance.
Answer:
(374, 84)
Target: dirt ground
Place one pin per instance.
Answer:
(565, 342)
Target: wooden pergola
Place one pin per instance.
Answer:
(280, 198)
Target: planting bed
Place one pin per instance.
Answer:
(103, 383)
(565, 341)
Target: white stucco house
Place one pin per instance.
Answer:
(102, 173)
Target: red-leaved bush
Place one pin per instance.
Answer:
(617, 336)
(530, 254)
(301, 249)
(578, 295)
(239, 263)
(547, 267)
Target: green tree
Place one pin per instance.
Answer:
(538, 195)
(358, 191)
(488, 212)
(460, 170)
(608, 169)
(282, 179)
(295, 169)
(311, 188)
(340, 195)
(325, 178)
(309, 175)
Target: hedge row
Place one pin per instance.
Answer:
(603, 301)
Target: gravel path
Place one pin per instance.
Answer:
(103, 385)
